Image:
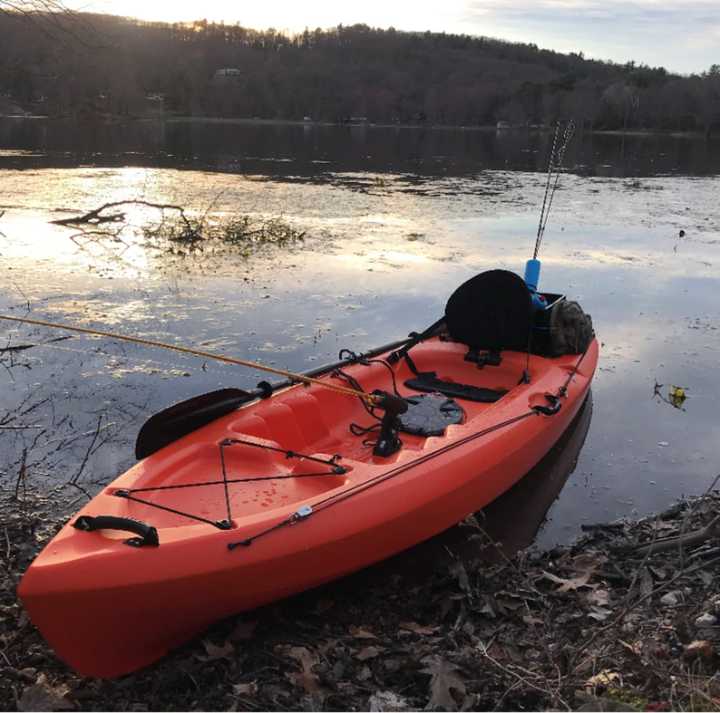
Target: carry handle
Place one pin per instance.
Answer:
(147, 535)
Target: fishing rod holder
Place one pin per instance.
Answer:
(388, 442)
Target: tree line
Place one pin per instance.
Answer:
(121, 66)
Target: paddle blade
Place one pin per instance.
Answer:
(185, 417)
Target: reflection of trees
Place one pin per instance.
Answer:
(624, 100)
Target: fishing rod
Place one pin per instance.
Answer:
(561, 141)
(380, 400)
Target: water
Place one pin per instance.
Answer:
(395, 220)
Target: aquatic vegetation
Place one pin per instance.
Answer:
(170, 228)
(242, 232)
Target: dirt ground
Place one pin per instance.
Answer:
(624, 619)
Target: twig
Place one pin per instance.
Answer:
(483, 649)
(76, 477)
(696, 537)
(21, 474)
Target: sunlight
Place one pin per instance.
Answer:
(292, 16)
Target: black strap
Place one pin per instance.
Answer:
(428, 382)
(415, 339)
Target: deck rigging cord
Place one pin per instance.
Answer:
(369, 399)
(226, 524)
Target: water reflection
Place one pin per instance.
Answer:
(285, 149)
(384, 250)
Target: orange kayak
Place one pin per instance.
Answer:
(285, 493)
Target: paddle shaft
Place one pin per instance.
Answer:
(370, 399)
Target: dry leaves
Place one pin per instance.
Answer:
(42, 696)
(369, 652)
(443, 681)
(360, 633)
(409, 626)
(305, 679)
(569, 585)
(387, 701)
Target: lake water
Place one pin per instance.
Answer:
(395, 218)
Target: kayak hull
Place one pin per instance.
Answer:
(108, 608)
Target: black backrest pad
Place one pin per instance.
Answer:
(491, 311)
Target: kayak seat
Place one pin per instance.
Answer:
(491, 311)
(428, 382)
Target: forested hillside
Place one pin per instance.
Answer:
(110, 65)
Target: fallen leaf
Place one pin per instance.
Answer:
(635, 648)
(443, 681)
(599, 613)
(532, 620)
(41, 696)
(245, 689)
(569, 585)
(587, 562)
(214, 652)
(699, 649)
(677, 396)
(305, 678)
(387, 701)
(598, 597)
(358, 633)
(605, 679)
(419, 628)
(369, 652)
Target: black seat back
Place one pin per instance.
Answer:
(491, 311)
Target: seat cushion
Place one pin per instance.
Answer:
(491, 311)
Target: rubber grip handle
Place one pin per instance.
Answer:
(146, 533)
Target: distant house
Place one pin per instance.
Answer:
(504, 125)
(227, 73)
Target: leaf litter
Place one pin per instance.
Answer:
(625, 618)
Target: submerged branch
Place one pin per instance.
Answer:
(181, 231)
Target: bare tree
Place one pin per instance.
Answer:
(52, 16)
(31, 8)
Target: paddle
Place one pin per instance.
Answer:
(187, 416)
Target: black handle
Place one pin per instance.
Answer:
(147, 535)
(552, 409)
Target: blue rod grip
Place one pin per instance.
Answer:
(532, 274)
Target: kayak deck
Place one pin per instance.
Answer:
(307, 420)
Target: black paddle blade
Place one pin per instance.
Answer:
(185, 417)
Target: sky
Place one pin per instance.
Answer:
(681, 35)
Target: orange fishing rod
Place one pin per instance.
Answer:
(370, 399)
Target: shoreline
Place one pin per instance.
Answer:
(602, 624)
(243, 121)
